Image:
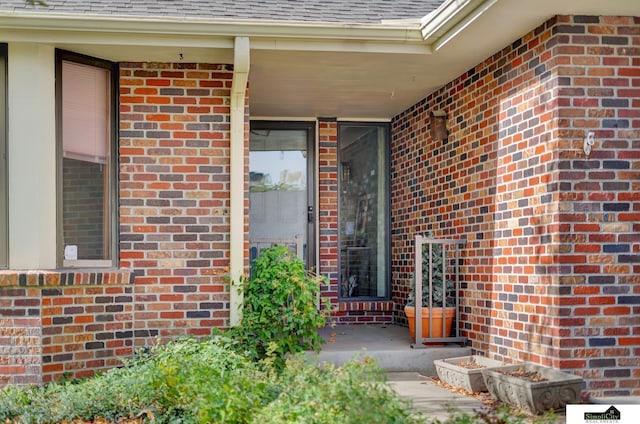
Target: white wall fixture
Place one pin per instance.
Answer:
(71, 252)
(588, 142)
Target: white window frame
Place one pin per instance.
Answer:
(4, 227)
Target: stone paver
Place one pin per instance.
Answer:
(429, 398)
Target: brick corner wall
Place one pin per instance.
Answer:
(551, 258)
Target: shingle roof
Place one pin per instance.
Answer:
(355, 11)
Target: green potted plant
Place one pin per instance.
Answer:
(436, 298)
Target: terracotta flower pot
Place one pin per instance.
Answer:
(436, 321)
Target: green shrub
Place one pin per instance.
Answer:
(354, 393)
(117, 393)
(281, 313)
(207, 381)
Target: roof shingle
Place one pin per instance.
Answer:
(353, 11)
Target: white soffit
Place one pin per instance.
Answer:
(301, 69)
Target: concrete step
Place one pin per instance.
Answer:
(390, 345)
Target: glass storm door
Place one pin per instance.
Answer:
(280, 177)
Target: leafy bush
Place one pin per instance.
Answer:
(280, 312)
(202, 381)
(207, 381)
(352, 394)
(197, 381)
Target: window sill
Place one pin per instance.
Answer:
(87, 264)
(65, 277)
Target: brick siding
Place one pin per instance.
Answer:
(174, 195)
(63, 324)
(328, 208)
(552, 243)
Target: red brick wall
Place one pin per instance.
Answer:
(56, 324)
(174, 195)
(551, 260)
(20, 332)
(85, 329)
(328, 208)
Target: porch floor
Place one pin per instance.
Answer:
(389, 344)
(407, 369)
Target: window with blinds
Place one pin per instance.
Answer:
(87, 167)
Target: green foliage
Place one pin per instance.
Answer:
(280, 313)
(210, 381)
(120, 392)
(352, 394)
(186, 380)
(437, 270)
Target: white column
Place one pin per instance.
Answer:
(237, 178)
(31, 156)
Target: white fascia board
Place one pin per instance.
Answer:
(451, 18)
(342, 36)
(341, 46)
(115, 39)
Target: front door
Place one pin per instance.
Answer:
(282, 210)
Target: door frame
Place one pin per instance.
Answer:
(310, 128)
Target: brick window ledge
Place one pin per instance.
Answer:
(369, 305)
(65, 277)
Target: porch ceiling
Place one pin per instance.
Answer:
(379, 85)
(302, 70)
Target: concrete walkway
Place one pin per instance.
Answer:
(390, 345)
(408, 369)
(433, 401)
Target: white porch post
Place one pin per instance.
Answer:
(31, 155)
(237, 171)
